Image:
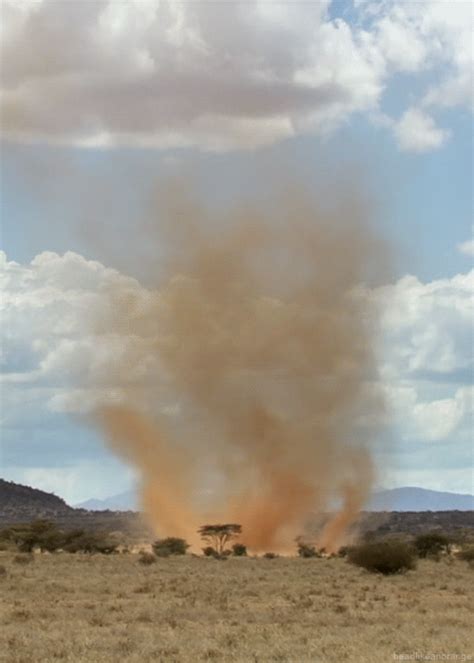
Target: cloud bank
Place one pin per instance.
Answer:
(47, 348)
(154, 73)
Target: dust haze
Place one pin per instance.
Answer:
(255, 401)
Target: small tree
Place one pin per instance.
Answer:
(41, 534)
(219, 535)
(431, 544)
(172, 545)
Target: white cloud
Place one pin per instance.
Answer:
(402, 41)
(437, 419)
(426, 37)
(417, 132)
(166, 74)
(54, 361)
(467, 247)
(426, 361)
(219, 76)
(46, 311)
(428, 326)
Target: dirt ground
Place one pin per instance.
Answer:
(98, 609)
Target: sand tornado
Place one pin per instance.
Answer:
(255, 401)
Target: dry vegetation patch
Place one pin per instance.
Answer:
(95, 608)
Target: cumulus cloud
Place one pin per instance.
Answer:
(419, 419)
(426, 362)
(156, 73)
(428, 326)
(417, 132)
(46, 307)
(172, 74)
(51, 357)
(437, 419)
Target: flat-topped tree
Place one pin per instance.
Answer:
(219, 535)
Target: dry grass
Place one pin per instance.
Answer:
(92, 609)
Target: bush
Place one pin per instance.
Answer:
(147, 558)
(88, 542)
(431, 544)
(27, 536)
(23, 558)
(270, 555)
(170, 546)
(239, 550)
(385, 557)
(305, 550)
(209, 551)
(46, 536)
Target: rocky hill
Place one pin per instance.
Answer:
(22, 503)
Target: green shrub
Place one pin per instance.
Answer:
(46, 536)
(431, 544)
(146, 558)
(270, 555)
(78, 541)
(170, 546)
(27, 536)
(385, 557)
(209, 551)
(239, 550)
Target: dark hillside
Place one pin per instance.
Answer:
(26, 503)
(21, 504)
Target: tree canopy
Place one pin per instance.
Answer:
(219, 535)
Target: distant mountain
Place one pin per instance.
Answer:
(126, 501)
(419, 499)
(25, 503)
(396, 499)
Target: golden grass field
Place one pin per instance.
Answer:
(83, 608)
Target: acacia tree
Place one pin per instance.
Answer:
(219, 535)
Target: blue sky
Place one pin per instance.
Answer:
(402, 124)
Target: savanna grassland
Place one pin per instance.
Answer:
(109, 608)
